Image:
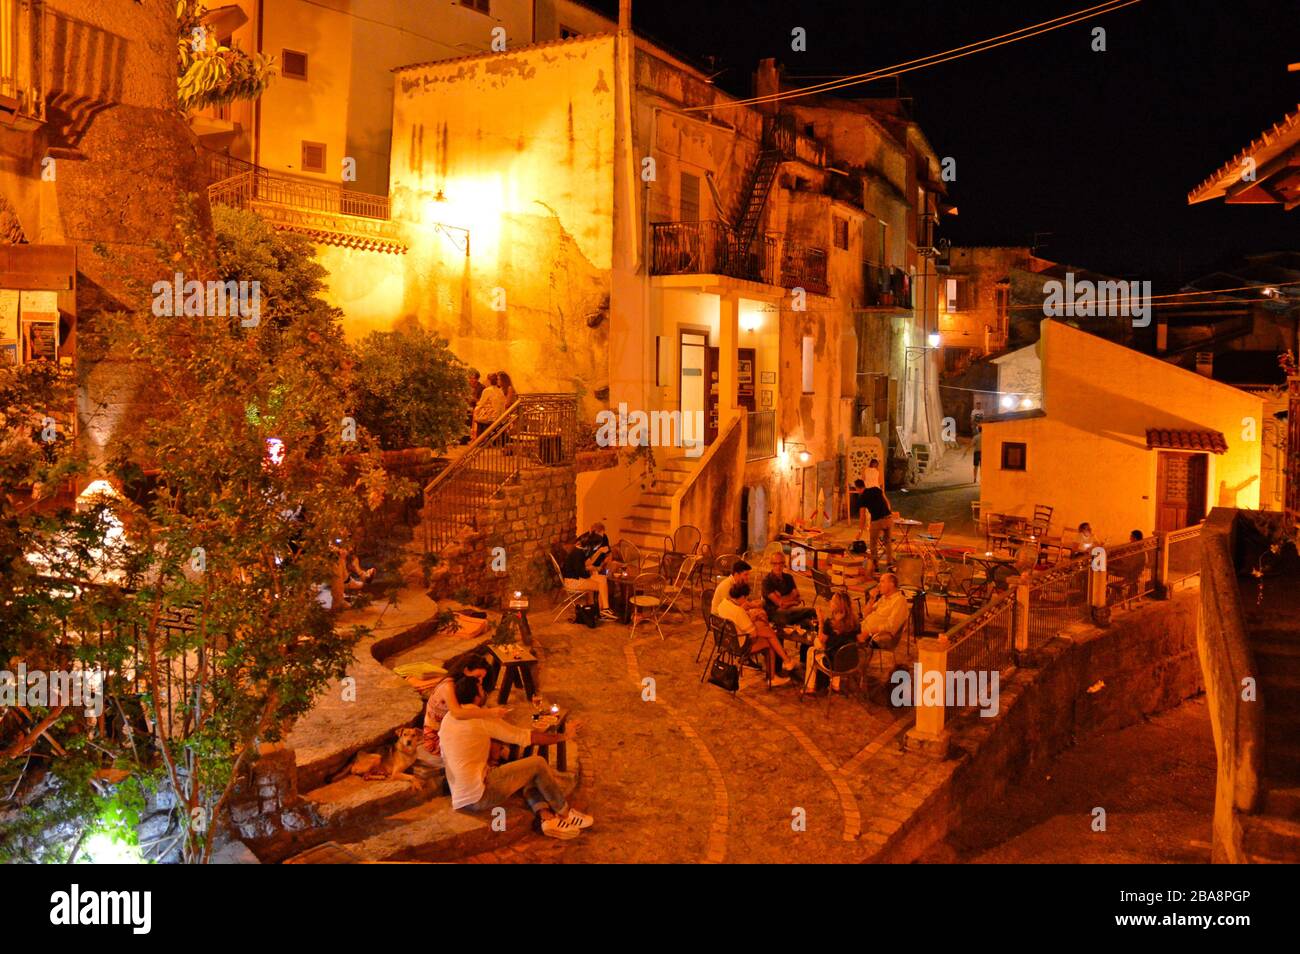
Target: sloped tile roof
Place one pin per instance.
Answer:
(1212, 441)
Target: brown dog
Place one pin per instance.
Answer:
(393, 763)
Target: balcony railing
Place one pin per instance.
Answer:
(710, 248)
(804, 267)
(779, 133)
(21, 93)
(263, 186)
(760, 443)
(885, 287)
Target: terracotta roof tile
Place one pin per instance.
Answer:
(1212, 441)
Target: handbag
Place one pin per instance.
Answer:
(725, 675)
(586, 615)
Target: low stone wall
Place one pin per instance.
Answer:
(1101, 680)
(526, 521)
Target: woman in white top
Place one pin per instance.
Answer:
(491, 405)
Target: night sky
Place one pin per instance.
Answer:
(1099, 149)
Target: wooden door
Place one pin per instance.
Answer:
(1180, 490)
(711, 375)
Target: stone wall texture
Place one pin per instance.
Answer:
(526, 520)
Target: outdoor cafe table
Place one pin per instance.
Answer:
(905, 525)
(525, 717)
(989, 562)
(621, 585)
(518, 666)
(816, 547)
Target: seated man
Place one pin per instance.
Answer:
(595, 543)
(722, 592)
(781, 599)
(465, 746)
(577, 573)
(885, 613)
(755, 633)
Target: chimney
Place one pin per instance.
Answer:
(767, 81)
(624, 16)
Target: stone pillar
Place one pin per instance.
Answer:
(929, 736)
(1020, 620)
(728, 341)
(1097, 587)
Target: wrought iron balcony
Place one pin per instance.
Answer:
(710, 248)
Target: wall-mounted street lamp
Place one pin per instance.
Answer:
(803, 455)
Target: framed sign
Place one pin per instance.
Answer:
(8, 352)
(767, 377)
(41, 338)
(767, 398)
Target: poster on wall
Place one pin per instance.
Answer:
(8, 352)
(41, 337)
(8, 314)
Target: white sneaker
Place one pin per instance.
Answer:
(562, 828)
(580, 819)
(780, 681)
(608, 615)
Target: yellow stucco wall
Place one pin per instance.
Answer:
(1088, 457)
(518, 149)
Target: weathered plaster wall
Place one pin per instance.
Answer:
(518, 149)
(1088, 456)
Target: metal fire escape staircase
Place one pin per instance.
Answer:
(761, 178)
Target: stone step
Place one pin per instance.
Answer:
(656, 511)
(1282, 767)
(1271, 839)
(1283, 801)
(353, 801)
(434, 831)
(648, 524)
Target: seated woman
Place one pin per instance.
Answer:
(837, 628)
(755, 632)
(443, 700)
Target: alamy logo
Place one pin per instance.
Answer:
(1089, 299)
(952, 687)
(75, 688)
(653, 429)
(196, 299)
(74, 907)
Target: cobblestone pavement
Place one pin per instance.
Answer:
(699, 776)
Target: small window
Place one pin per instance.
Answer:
(841, 227)
(293, 64)
(313, 156)
(568, 33)
(809, 364)
(482, 6)
(1013, 455)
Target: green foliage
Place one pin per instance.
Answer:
(412, 391)
(259, 646)
(208, 74)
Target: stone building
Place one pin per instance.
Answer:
(595, 216)
(93, 151)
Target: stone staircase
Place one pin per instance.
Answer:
(650, 519)
(1273, 834)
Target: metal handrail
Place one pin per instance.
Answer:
(536, 430)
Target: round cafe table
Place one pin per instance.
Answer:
(905, 525)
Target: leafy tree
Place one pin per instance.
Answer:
(209, 74)
(412, 391)
(206, 609)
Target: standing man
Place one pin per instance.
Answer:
(976, 444)
(475, 392)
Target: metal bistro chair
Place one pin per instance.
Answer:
(727, 649)
(961, 593)
(629, 554)
(709, 634)
(685, 539)
(647, 601)
(876, 645)
(823, 588)
(681, 584)
(847, 664)
(572, 595)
